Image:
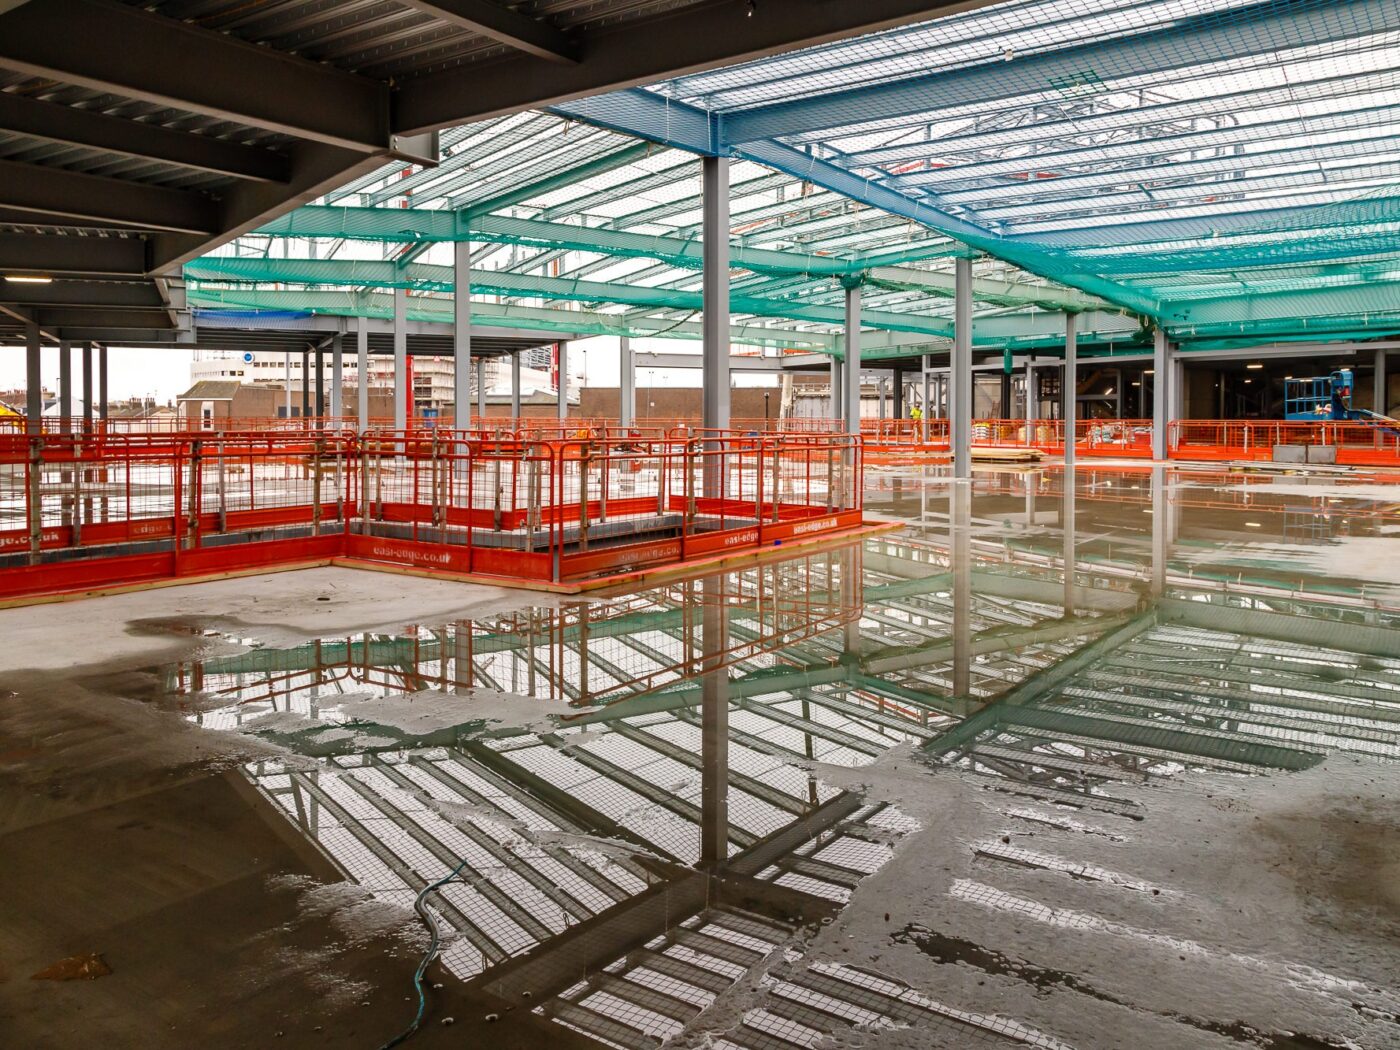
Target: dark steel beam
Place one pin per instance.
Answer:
(503, 25)
(316, 170)
(56, 254)
(117, 48)
(702, 36)
(91, 129)
(124, 295)
(52, 195)
(101, 317)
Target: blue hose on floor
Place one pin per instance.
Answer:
(430, 920)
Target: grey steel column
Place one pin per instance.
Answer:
(880, 393)
(1031, 406)
(481, 389)
(838, 406)
(33, 384)
(461, 334)
(1381, 402)
(1161, 380)
(563, 404)
(305, 383)
(337, 376)
(402, 394)
(714, 724)
(515, 385)
(287, 384)
(320, 383)
(1069, 386)
(87, 388)
(362, 370)
(927, 391)
(102, 403)
(65, 386)
(897, 393)
(960, 374)
(626, 384)
(850, 380)
(714, 178)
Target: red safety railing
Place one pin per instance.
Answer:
(84, 512)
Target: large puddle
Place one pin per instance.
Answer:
(1081, 759)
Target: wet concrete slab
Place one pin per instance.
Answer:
(1101, 759)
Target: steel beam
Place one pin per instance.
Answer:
(684, 39)
(57, 194)
(57, 255)
(93, 294)
(1261, 28)
(489, 18)
(127, 51)
(102, 318)
(92, 129)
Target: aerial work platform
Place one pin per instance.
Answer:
(528, 508)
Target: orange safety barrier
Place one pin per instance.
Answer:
(82, 512)
(1356, 444)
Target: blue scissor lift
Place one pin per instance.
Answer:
(1327, 399)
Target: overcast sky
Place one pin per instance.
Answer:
(165, 373)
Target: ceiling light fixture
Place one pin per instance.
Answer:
(22, 278)
(1255, 367)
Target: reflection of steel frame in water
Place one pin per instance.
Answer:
(563, 652)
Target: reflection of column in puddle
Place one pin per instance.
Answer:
(462, 654)
(1161, 533)
(1032, 479)
(960, 546)
(852, 598)
(714, 724)
(1067, 526)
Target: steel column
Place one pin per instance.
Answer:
(287, 384)
(838, 407)
(960, 373)
(1381, 401)
(627, 383)
(362, 371)
(320, 383)
(65, 386)
(714, 177)
(481, 389)
(33, 384)
(87, 388)
(515, 385)
(402, 395)
(850, 380)
(562, 405)
(1069, 385)
(337, 376)
(305, 384)
(897, 393)
(1031, 401)
(1161, 380)
(103, 405)
(461, 333)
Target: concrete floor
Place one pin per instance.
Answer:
(1218, 911)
